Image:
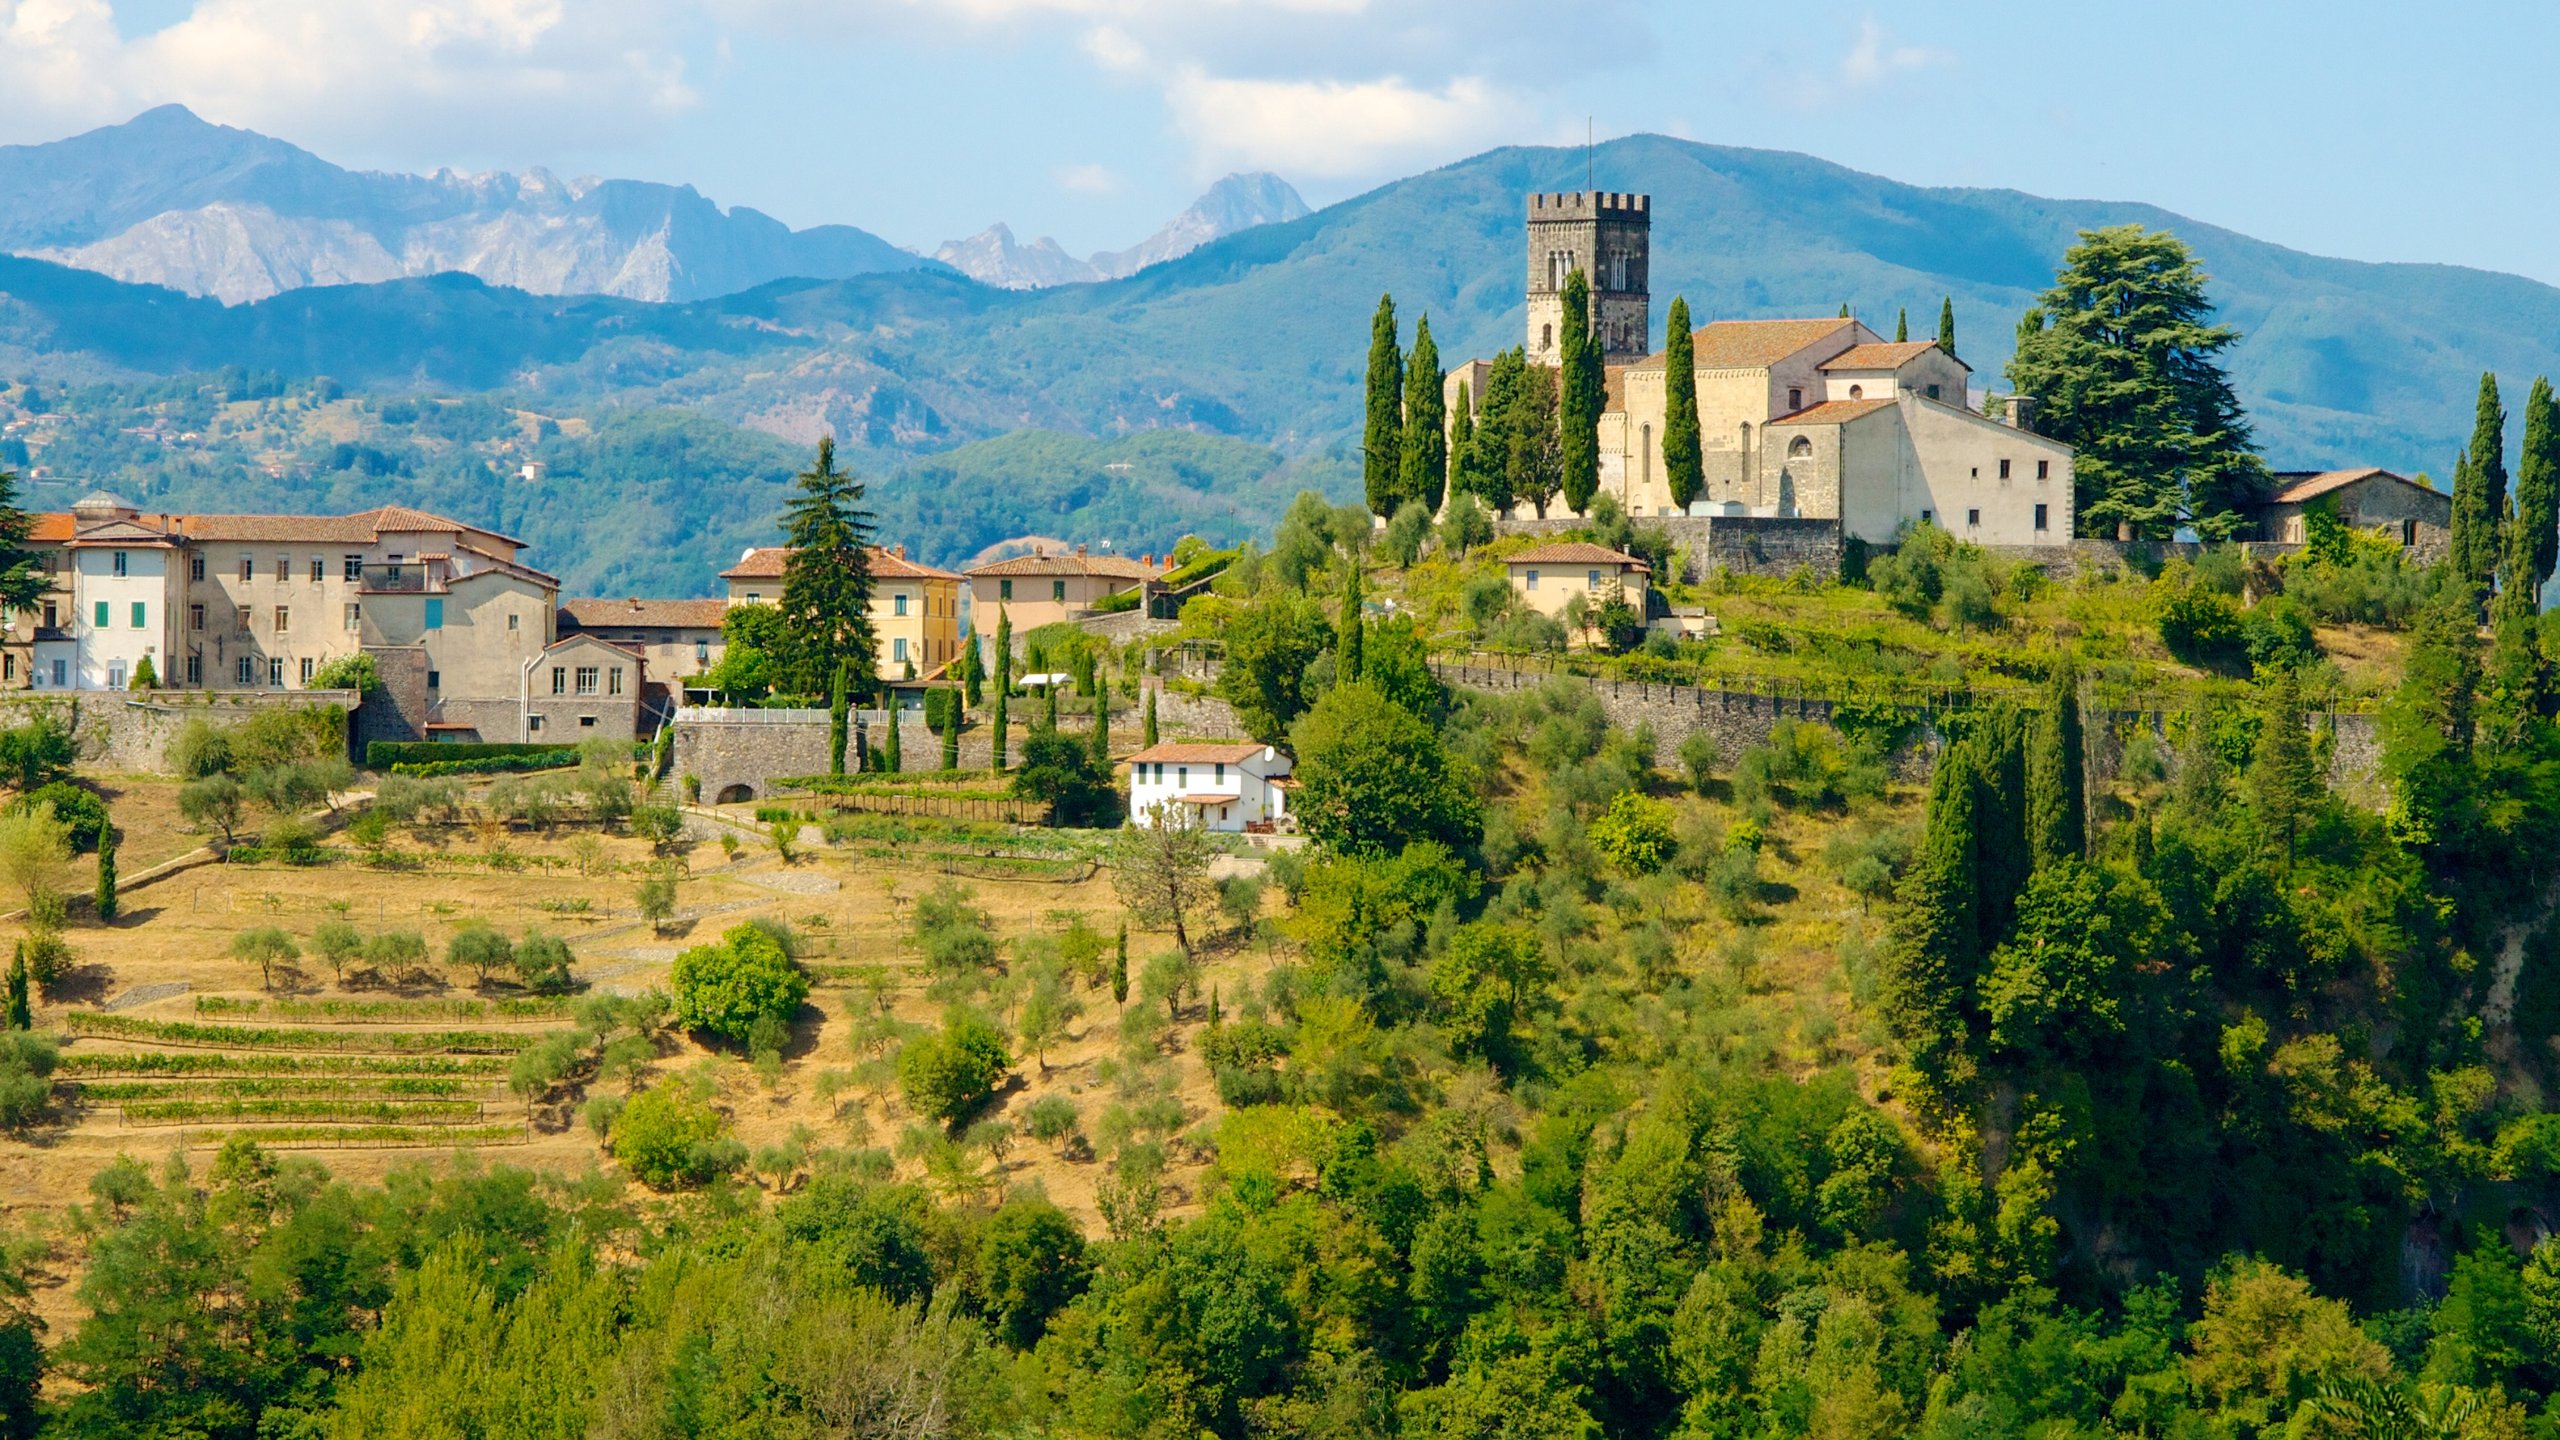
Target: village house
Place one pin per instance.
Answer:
(2366, 498)
(1545, 578)
(674, 639)
(1042, 588)
(915, 608)
(1222, 785)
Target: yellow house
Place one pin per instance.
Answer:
(1546, 579)
(1041, 589)
(915, 609)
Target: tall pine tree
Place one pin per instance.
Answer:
(1683, 464)
(1579, 396)
(2533, 534)
(2480, 491)
(1934, 953)
(1947, 326)
(2282, 785)
(23, 574)
(826, 578)
(1425, 469)
(2057, 800)
(1382, 438)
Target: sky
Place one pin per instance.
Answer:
(2352, 128)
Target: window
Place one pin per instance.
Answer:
(1795, 397)
(355, 617)
(195, 567)
(515, 621)
(533, 724)
(1857, 392)
(195, 670)
(355, 567)
(52, 618)
(1222, 773)
(1933, 392)
(61, 673)
(435, 679)
(275, 672)
(1058, 590)
(1972, 518)
(586, 679)
(755, 597)
(99, 615)
(2044, 469)
(1004, 589)
(2040, 517)
(284, 568)
(307, 664)
(1533, 580)
(898, 605)
(1182, 776)
(1547, 333)
(284, 618)
(701, 652)
(898, 649)
(319, 569)
(248, 568)
(195, 617)
(1800, 448)
(2004, 469)
(435, 614)
(120, 565)
(1590, 579)
(8, 667)
(141, 615)
(559, 679)
(243, 673)
(1927, 515)
(613, 681)
(586, 722)
(115, 675)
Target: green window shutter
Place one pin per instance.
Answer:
(140, 612)
(435, 614)
(102, 615)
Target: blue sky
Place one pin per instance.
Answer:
(2347, 128)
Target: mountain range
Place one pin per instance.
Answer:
(1262, 334)
(1238, 202)
(167, 199)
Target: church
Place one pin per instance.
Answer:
(1798, 419)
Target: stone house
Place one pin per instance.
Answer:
(1547, 577)
(915, 608)
(673, 638)
(1043, 588)
(1227, 785)
(581, 687)
(2366, 498)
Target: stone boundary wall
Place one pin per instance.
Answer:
(1740, 544)
(123, 732)
(1123, 626)
(1737, 721)
(1187, 717)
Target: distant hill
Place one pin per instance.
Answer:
(1238, 202)
(167, 199)
(1261, 335)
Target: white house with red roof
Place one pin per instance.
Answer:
(1220, 784)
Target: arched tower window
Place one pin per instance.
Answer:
(1546, 337)
(1799, 448)
(1857, 392)
(1645, 450)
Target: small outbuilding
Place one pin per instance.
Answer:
(2366, 497)
(1225, 784)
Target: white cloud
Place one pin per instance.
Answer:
(1328, 128)
(359, 72)
(1088, 179)
(1875, 59)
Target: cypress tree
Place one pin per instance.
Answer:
(2533, 535)
(1348, 654)
(2057, 813)
(1463, 460)
(106, 897)
(1120, 969)
(1934, 952)
(1683, 466)
(1581, 391)
(1425, 464)
(2282, 785)
(996, 732)
(973, 668)
(2480, 505)
(1147, 734)
(2002, 861)
(22, 1015)
(1004, 651)
(1499, 412)
(1901, 326)
(839, 713)
(891, 758)
(1844, 309)
(1382, 439)
(1049, 721)
(861, 747)
(1098, 744)
(951, 738)
(1947, 325)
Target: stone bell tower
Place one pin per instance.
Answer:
(1608, 235)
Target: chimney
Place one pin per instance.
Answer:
(2018, 412)
(1147, 560)
(1079, 551)
(899, 550)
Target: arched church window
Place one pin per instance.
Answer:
(1546, 337)
(1799, 448)
(1857, 392)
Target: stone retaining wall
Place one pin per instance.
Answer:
(126, 732)
(1739, 544)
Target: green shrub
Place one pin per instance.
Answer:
(2201, 626)
(670, 1140)
(27, 1062)
(1635, 835)
(723, 990)
(951, 1073)
(383, 754)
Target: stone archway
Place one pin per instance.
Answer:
(735, 794)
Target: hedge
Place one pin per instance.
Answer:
(488, 764)
(383, 754)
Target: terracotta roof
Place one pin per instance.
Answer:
(1108, 567)
(764, 562)
(642, 614)
(49, 529)
(1574, 552)
(1834, 412)
(1883, 355)
(2313, 486)
(1751, 344)
(1207, 798)
(1192, 752)
(1613, 388)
